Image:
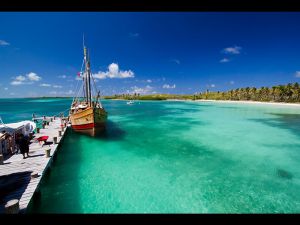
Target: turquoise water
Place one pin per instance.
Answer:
(174, 157)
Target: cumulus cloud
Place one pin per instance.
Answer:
(6, 89)
(297, 74)
(212, 85)
(31, 77)
(62, 76)
(235, 50)
(167, 86)
(114, 72)
(45, 85)
(224, 60)
(18, 80)
(3, 43)
(140, 90)
(149, 81)
(231, 82)
(57, 86)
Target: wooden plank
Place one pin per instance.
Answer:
(36, 163)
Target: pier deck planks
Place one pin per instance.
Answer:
(21, 168)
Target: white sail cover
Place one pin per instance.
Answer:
(26, 127)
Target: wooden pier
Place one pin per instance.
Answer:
(20, 178)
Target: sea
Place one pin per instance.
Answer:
(172, 157)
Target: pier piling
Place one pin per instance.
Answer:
(55, 140)
(12, 207)
(1, 159)
(48, 152)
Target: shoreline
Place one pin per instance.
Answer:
(222, 101)
(251, 102)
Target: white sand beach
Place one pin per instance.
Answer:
(251, 102)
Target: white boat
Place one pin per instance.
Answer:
(129, 102)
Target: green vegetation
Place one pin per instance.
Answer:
(280, 93)
(149, 97)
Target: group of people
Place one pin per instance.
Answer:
(21, 143)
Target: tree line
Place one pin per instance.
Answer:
(279, 93)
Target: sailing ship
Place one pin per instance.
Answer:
(86, 110)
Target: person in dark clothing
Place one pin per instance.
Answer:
(24, 145)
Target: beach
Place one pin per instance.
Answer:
(241, 102)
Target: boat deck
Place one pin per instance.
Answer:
(15, 173)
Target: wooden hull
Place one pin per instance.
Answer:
(88, 118)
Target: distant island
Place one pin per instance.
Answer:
(289, 93)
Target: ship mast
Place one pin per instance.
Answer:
(87, 76)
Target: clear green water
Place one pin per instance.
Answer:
(174, 157)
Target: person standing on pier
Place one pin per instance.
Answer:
(24, 145)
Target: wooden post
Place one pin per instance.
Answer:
(59, 133)
(62, 129)
(37, 130)
(43, 125)
(48, 152)
(55, 140)
(12, 207)
(54, 117)
(51, 119)
(47, 123)
(34, 174)
(1, 159)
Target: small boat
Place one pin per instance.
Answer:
(129, 102)
(86, 111)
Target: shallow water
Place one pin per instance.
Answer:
(175, 157)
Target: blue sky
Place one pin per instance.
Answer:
(41, 53)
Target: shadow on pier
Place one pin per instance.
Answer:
(12, 186)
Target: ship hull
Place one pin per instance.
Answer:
(88, 119)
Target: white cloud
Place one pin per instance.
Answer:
(224, 60)
(6, 89)
(57, 86)
(149, 81)
(212, 85)
(297, 74)
(3, 43)
(19, 80)
(33, 77)
(114, 72)
(167, 86)
(11, 93)
(177, 61)
(232, 50)
(140, 90)
(16, 82)
(45, 85)
(231, 82)
(62, 76)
